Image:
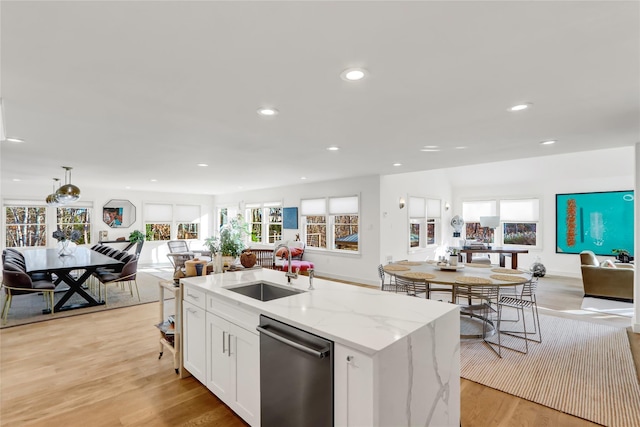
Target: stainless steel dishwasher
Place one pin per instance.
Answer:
(296, 376)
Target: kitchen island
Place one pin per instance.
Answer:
(396, 358)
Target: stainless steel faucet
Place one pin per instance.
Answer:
(311, 273)
(290, 275)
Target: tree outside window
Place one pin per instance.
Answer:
(158, 231)
(25, 226)
(519, 233)
(255, 215)
(188, 231)
(79, 219)
(316, 231)
(345, 235)
(275, 224)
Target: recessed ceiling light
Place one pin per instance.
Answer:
(462, 147)
(333, 148)
(15, 140)
(430, 146)
(521, 107)
(267, 111)
(353, 74)
(127, 187)
(397, 164)
(16, 180)
(153, 180)
(430, 150)
(203, 165)
(549, 142)
(303, 177)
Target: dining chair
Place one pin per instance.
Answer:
(525, 301)
(126, 276)
(388, 287)
(16, 281)
(479, 303)
(412, 287)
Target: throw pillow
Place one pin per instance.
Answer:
(607, 263)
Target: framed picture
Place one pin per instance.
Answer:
(119, 213)
(599, 222)
(290, 218)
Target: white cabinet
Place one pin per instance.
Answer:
(194, 333)
(233, 367)
(353, 388)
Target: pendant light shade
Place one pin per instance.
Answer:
(68, 193)
(52, 199)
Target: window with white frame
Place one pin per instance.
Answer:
(314, 217)
(157, 221)
(25, 225)
(417, 223)
(224, 214)
(344, 213)
(75, 218)
(187, 221)
(265, 221)
(331, 223)
(471, 213)
(433, 221)
(520, 220)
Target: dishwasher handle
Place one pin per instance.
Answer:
(321, 354)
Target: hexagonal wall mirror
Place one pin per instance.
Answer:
(119, 213)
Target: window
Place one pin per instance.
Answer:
(25, 226)
(188, 221)
(157, 221)
(471, 213)
(331, 223)
(75, 218)
(417, 223)
(265, 222)
(313, 213)
(519, 220)
(433, 221)
(344, 213)
(187, 231)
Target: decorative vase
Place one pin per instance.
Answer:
(217, 263)
(66, 248)
(228, 260)
(248, 259)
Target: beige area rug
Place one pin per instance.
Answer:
(28, 308)
(580, 368)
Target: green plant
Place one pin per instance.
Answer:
(619, 252)
(231, 239)
(136, 236)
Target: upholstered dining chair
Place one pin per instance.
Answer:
(126, 276)
(16, 281)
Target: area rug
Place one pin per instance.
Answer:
(580, 368)
(28, 308)
(618, 308)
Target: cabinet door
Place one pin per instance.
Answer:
(194, 347)
(353, 388)
(218, 358)
(245, 356)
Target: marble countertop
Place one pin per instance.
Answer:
(365, 319)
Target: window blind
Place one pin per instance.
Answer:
(313, 207)
(472, 211)
(343, 205)
(417, 207)
(520, 210)
(433, 208)
(156, 212)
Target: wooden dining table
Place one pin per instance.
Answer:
(83, 259)
(430, 272)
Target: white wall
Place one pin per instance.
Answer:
(544, 177)
(360, 267)
(394, 223)
(152, 252)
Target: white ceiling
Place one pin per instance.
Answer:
(125, 92)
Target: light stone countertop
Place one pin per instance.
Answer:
(365, 319)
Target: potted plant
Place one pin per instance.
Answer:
(621, 254)
(137, 237)
(230, 242)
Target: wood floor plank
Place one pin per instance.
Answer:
(102, 369)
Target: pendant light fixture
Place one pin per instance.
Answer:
(52, 199)
(68, 193)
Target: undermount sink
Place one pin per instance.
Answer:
(264, 291)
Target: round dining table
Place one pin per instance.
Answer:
(468, 275)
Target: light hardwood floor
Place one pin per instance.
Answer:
(102, 369)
